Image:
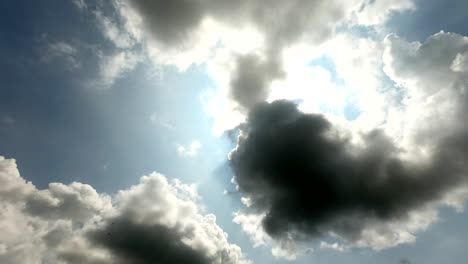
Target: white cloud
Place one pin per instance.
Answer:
(160, 120)
(61, 50)
(251, 224)
(333, 246)
(378, 12)
(113, 67)
(189, 150)
(80, 4)
(433, 83)
(119, 37)
(210, 37)
(70, 223)
(460, 64)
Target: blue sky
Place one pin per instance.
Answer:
(65, 119)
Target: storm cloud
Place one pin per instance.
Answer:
(310, 181)
(136, 243)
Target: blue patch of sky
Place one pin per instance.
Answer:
(350, 109)
(360, 31)
(430, 17)
(40, 100)
(328, 64)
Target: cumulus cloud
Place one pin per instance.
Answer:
(306, 180)
(153, 221)
(252, 34)
(434, 82)
(302, 175)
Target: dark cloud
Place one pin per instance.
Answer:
(282, 22)
(311, 182)
(250, 80)
(144, 244)
(170, 22)
(405, 261)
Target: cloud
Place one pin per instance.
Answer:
(190, 150)
(113, 67)
(250, 80)
(377, 12)
(242, 44)
(175, 22)
(333, 246)
(434, 82)
(153, 221)
(111, 30)
(160, 120)
(307, 180)
(247, 49)
(252, 35)
(80, 4)
(63, 51)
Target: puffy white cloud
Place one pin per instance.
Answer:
(76, 201)
(460, 64)
(153, 221)
(433, 81)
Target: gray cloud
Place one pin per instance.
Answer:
(281, 22)
(311, 183)
(176, 23)
(144, 244)
(170, 22)
(250, 80)
(78, 202)
(155, 221)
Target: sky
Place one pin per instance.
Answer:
(241, 132)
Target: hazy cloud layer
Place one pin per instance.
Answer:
(307, 180)
(154, 221)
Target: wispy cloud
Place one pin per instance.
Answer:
(189, 150)
(61, 50)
